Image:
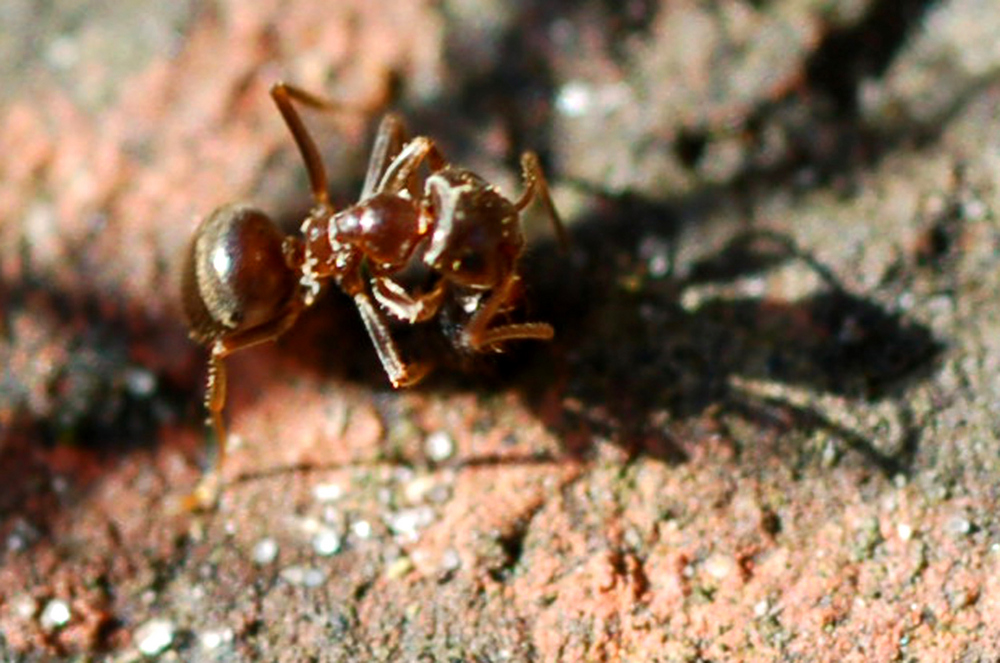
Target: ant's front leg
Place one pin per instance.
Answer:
(399, 372)
(404, 306)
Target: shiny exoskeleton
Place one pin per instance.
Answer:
(245, 282)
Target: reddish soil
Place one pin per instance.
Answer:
(766, 429)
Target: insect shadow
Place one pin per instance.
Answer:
(649, 349)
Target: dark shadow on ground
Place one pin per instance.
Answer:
(638, 365)
(89, 379)
(628, 352)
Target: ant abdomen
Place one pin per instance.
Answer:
(236, 275)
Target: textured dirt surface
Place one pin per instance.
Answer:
(766, 430)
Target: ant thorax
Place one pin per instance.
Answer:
(476, 235)
(447, 193)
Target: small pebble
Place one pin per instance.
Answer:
(16, 542)
(417, 490)
(60, 485)
(362, 529)
(25, 606)
(440, 494)
(327, 492)
(439, 446)
(21, 536)
(326, 541)
(959, 526)
(961, 598)
(399, 568)
(155, 636)
(140, 382)
(904, 531)
(720, 566)
(656, 252)
(403, 474)
(214, 639)
(975, 210)
(304, 576)
(265, 551)
(450, 560)
(55, 614)
(408, 522)
(314, 578)
(574, 99)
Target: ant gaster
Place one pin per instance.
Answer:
(245, 282)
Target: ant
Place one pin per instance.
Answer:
(245, 282)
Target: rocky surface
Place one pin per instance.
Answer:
(766, 429)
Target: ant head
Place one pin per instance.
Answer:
(238, 273)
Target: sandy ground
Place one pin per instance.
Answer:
(766, 429)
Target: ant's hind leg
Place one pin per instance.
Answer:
(206, 494)
(536, 186)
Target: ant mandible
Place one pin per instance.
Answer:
(245, 282)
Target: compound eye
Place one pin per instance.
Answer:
(236, 276)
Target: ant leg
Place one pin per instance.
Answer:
(404, 306)
(389, 141)
(215, 401)
(536, 186)
(400, 375)
(399, 174)
(206, 494)
(479, 335)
